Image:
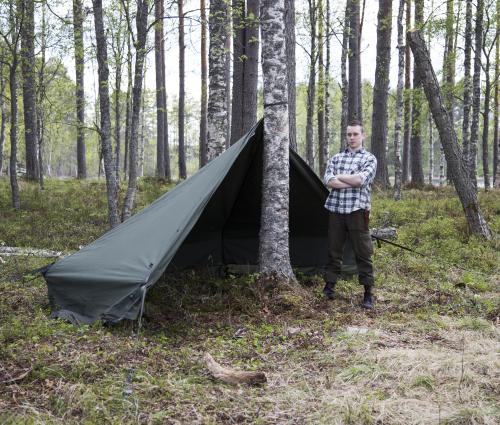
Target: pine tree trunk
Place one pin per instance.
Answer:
(140, 53)
(16, 202)
(476, 92)
(204, 88)
(40, 113)
(217, 114)
(467, 84)
(274, 256)
(449, 66)
(182, 93)
(416, 168)
(160, 89)
(80, 91)
(381, 92)
(290, 70)
(227, 74)
(322, 154)
(398, 172)
(343, 73)
(354, 63)
(118, 118)
(29, 88)
(407, 103)
(463, 185)
(105, 116)
(311, 87)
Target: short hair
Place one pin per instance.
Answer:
(356, 122)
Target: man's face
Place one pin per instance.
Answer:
(355, 136)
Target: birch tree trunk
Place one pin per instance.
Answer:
(128, 109)
(381, 92)
(105, 116)
(204, 88)
(40, 111)
(343, 75)
(467, 84)
(354, 61)
(290, 70)
(238, 10)
(160, 89)
(463, 185)
(16, 202)
(407, 102)
(274, 256)
(217, 114)
(322, 153)
(476, 92)
(182, 92)
(327, 80)
(399, 105)
(140, 53)
(496, 141)
(311, 87)
(486, 124)
(29, 88)
(80, 88)
(3, 116)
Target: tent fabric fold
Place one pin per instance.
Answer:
(210, 219)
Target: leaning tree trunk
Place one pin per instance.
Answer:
(182, 93)
(204, 88)
(476, 92)
(105, 115)
(398, 172)
(458, 169)
(140, 53)
(217, 114)
(311, 87)
(81, 164)
(407, 102)
(416, 166)
(160, 90)
(381, 92)
(274, 254)
(467, 84)
(29, 89)
(290, 70)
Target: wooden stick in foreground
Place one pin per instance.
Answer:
(232, 376)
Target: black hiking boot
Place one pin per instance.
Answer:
(329, 290)
(368, 298)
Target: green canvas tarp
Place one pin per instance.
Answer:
(211, 219)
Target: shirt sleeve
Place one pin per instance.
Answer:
(368, 172)
(329, 171)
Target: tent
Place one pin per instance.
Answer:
(209, 220)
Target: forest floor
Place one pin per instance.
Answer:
(428, 353)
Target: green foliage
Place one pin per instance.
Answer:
(318, 370)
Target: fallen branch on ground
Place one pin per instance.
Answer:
(8, 251)
(232, 376)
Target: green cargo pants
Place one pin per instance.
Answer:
(354, 226)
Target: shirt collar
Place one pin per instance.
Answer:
(362, 150)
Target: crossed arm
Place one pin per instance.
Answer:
(344, 181)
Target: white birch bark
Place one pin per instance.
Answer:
(217, 116)
(274, 256)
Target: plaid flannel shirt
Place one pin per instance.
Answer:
(346, 201)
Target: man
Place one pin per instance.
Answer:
(349, 175)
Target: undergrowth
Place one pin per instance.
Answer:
(426, 354)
